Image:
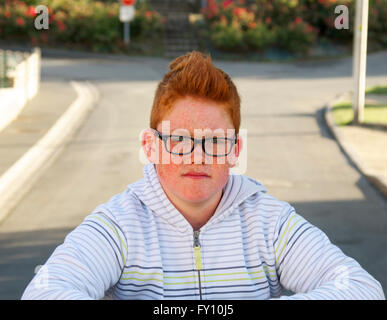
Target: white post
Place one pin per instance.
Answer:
(360, 59)
(126, 33)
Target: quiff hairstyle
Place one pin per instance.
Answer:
(195, 75)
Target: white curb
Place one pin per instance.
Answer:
(19, 178)
(372, 176)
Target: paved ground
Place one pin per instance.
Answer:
(289, 149)
(371, 145)
(36, 118)
(367, 144)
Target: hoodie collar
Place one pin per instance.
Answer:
(237, 189)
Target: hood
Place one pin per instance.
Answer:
(237, 189)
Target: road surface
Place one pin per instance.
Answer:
(289, 150)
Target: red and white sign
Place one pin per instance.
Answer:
(127, 10)
(128, 2)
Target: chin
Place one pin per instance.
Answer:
(196, 196)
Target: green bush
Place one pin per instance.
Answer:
(234, 25)
(90, 24)
(259, 36)
(297, 37)
(293, 25)
(377, 22)
(227, 37)
(147, 24)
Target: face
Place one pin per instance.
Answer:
(198, 177)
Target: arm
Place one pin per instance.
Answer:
(85, 266)
(311, 266)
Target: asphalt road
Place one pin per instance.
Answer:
(289, 149)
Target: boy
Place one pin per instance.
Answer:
(191, 230)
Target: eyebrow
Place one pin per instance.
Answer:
(183, 132)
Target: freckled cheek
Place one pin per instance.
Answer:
(169, 173)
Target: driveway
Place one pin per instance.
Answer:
(289, 149)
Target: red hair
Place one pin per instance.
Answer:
(195, 75)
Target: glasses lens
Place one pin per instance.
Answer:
(218, 146)
(179, 144)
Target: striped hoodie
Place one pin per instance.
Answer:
(138, 246)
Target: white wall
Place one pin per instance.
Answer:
(26, 85)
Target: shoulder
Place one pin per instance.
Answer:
(125, 209)
(266, 206)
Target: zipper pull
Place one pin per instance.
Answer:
(196, 239)
(198, 259)
(198, 254)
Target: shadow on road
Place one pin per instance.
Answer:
(357, 227)
(135, 68)
(20, 253)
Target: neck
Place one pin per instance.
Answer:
(197, 214)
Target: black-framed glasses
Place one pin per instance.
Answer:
(183, 145)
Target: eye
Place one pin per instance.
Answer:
(216, 140)
(177, 138)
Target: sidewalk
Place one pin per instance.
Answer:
(36, 118)
(366, 146)
(36, 137)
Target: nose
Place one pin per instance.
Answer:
(198, 156)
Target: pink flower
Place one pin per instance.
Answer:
(268, 20)
(52, 17)
(227, 3)
(252, 25)
(61, 25)
(20, 22)
(211, 9)
(7, 14)
(239, 11)
(30, 11)
(149, 14)
(298, 20)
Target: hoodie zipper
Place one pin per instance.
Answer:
(198, 259)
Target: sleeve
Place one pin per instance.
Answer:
(309, 265)
(85, 266)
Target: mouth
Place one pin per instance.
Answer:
(196, 175)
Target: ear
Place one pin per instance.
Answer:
(234, 155)
(149, 145)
